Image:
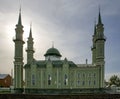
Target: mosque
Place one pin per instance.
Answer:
(53, 73)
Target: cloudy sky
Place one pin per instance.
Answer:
(69, 23)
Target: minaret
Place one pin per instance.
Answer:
(100, 48)
(30, 50)
(93, 49)
(100, 41)
(18, 58)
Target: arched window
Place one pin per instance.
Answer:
(94, 82)
(89, 82)
(66, 80)
(83, 83)
(94, 75)
(78, 83)
(83, 75)
(33, 79)
(49, 80)
(78, 75)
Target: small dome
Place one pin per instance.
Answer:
(52, 51)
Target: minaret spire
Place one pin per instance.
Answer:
(30, 50)
(99, 17)
(19, 20)
(30, 35)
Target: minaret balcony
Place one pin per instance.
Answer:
(17, 39)
(93, 47)
(29, 49)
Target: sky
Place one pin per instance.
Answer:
(67, 23)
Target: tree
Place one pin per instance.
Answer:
(114, 80)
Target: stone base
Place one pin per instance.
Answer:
(18, 90)
(81, 96)
(62, 91)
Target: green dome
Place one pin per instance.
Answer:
(52, 51)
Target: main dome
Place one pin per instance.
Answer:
(52, 51)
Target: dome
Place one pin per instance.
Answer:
(52, 51)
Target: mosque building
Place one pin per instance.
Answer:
(55, 73)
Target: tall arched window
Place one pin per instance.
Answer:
(33, 79)
(49, 80)
(94, 75)
(94, 82)
(89, 82)
(78, 75)
(78, 83)
(66, 80)
(83, 83)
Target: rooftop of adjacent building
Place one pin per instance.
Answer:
(2, 76)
